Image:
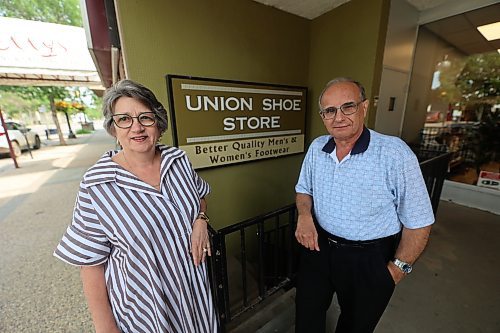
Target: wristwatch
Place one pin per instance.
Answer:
(203, 216)
(403, 266)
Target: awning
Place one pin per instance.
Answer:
(45, 54)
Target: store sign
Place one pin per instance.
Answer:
(489, 179)
(219, 122)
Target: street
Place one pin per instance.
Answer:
(39, 293)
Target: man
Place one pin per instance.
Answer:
(356, 191)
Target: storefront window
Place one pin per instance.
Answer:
(463, 114)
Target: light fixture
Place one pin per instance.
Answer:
(444, 64)
(490, 31)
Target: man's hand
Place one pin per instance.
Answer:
(306, 233)
(413, 242)
(396, 273)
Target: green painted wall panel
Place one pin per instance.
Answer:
(246, 41)
(347, 41)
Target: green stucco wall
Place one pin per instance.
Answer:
(347, 41)
(246, 41)
(226, 39)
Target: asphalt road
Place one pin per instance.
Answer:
(39, 293)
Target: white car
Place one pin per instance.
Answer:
(17, 135)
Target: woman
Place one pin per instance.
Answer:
(139, 229)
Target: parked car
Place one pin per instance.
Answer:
(18, 134)
(434, 117)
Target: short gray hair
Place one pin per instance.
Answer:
(129, 88)
(362, 93)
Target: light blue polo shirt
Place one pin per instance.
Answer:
(370, 193)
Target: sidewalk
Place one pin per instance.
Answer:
(38, 293)
(48, 149)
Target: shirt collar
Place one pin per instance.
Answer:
(360, 146)
(105, 170)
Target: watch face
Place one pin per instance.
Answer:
(407, 268)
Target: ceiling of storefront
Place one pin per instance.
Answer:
(459, 30)
(311, 9)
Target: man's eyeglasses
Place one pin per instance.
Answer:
(125, 121)
(347, 109)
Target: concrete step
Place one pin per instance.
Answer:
(284, 314)
(276, 315)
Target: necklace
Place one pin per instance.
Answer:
(157, 186)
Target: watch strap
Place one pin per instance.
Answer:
(403, 266)
(203, 216)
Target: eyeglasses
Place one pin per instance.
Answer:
(347, 109)
(125, 121)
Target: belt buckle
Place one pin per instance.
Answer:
(331, 240)
(338, 244)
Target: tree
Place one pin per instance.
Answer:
(65, 12)
(40, 93)
(473, 82)
(14, 105)
(479, 82)
(484, 140)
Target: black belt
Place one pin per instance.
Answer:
(342, 242)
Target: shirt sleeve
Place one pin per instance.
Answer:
(201, 185)
(84, 242)
(414, 207)
(304, 184)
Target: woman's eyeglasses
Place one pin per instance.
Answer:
(347, 109)
(125, 121)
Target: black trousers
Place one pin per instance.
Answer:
(357, 273)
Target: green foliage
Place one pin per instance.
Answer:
(13, 104)
(484, 139)
(36, 93)
(94, 113)
(34, 96)
(21, 99)
(471, 81)
(95, 110)
(83, 131)
(65, 12)
(479, 81)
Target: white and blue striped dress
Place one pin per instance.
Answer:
(143, 237)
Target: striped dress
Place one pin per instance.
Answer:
(142, 236)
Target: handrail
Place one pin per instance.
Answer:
(434, 171)
(435, 159)
(253, 220)
(269, 254)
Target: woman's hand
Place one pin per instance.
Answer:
(95, 290)
(200, 243)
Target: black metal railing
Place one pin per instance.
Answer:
(454, 138)
(265, 258)
(267, 242)
(434, 171)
